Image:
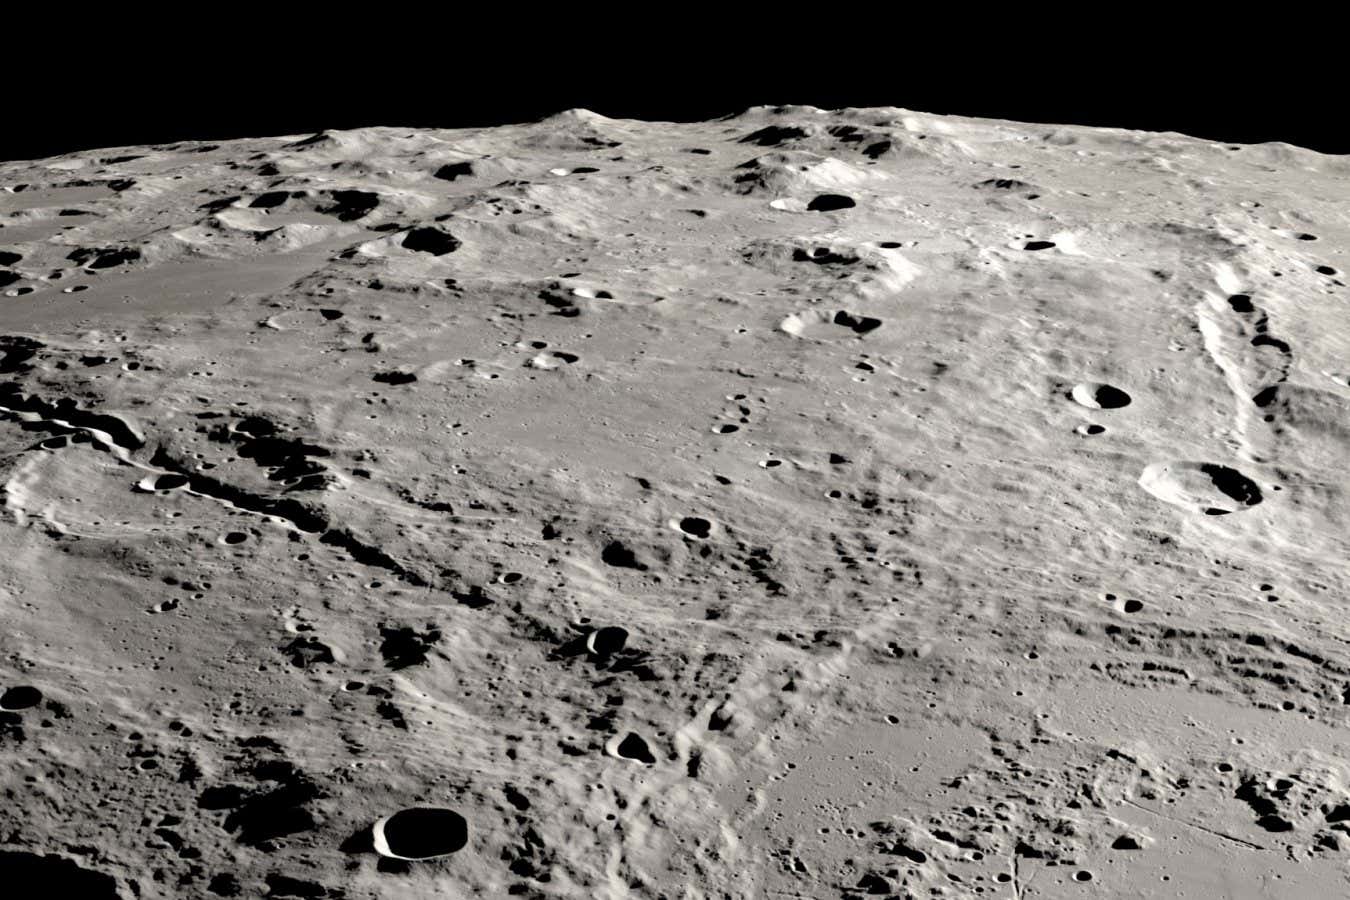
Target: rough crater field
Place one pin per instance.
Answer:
(798, 504)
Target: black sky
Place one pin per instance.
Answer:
(285, 79)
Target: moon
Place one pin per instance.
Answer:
(801, 503)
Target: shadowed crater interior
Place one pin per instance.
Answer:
(1233, 484)
(420, 833)
(1099, 396)
(54, 876)
(20, 697)
(1211, 488)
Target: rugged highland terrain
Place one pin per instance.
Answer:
(798, 504)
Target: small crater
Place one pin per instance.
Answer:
(430, 240)
(551, 360)
(1099, 396)
(827, 324)
(451, 171)
(617, 555)
(1038, 245)
(632, 747)
(20, 697)
(695, 526)
(606, 641)
(830, 203)
(420, 833)
(1210, 488)
(856, 324)
(823, 256)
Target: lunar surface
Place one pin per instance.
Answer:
(800, 504)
